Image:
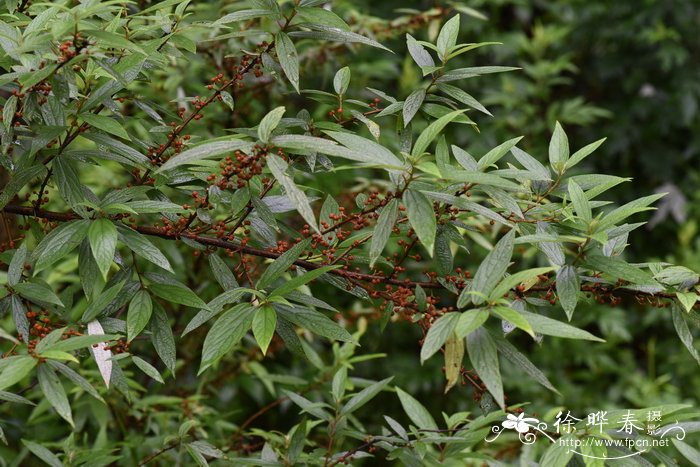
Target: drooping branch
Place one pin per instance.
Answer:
(308, 265)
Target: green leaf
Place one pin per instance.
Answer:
(447, 38)
(108, 124)
(226, 332)
(568, 286)
(461, 96)
(422, 217)
(519, 360)
(15, 370)
(204, 151)
(373, 152)
(687, 300)
(269, 123)
(619, 269)
(222, 273)
(471, 72)
(382, 231)
(289, 61)
(681, 326)
(331, 34)
(626, 210)
(481, 178)
(279, 169)
(531, 164)
(558, 149)
(140, 245)
(495, 154)
(53, 390)
(431, 132)
(551, 327)
(341, 81)
(176, 292)
(15, 398)
(16, 267)
(163, 339)
(147, 368)
(80, 342)
(298, 281)
(421, 56)
(35, 291)
(559, 453)
(513, 317)
(98, 305)
(438, 333)
(580, 202)
(364, 396)
(412, 105)
(689, 452)
(511, 281)
(102, 235)
(315, 322)
(582, 153)
(58, 243)
(416, 411)
(493, 267)
(42, 453)
(281, 264)
(140, 309)
(75, 378)
(242, 15)
(18, 180)
(470, 320)
(484, 357)
(264, 323)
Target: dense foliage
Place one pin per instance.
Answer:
(296, 232)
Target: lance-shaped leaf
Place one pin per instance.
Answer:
(412, 105)
(269, 123)
(382, 231)
(558, 149)
(314, 321)
(42, 453)
(492, 268)
(376, 153)
(431, 132)
(289, 60)
(484, 357)
(322, 32)
(447, 38)
(279, 169)
(495, 154)
(226, 332)
(281, 264)
(568, 285)
(37, 292)
(552, 327)
(140, 245)
(438, 333)
(264, 323)
(204, 151)
(619, 269)
(421, 56)
(582, 153)
(102, 235)
(298, 281)
(364, 396)
(623, 212)
(422, 217)
(461, 96)
(518, 359)
(55, 393)
(16, 267)
(580, 202)
(58, 243)
(139, 314)
(15, 368)
(681, 326)
(416, 411)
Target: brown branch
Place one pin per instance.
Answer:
(152, 456)
(244, 249)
